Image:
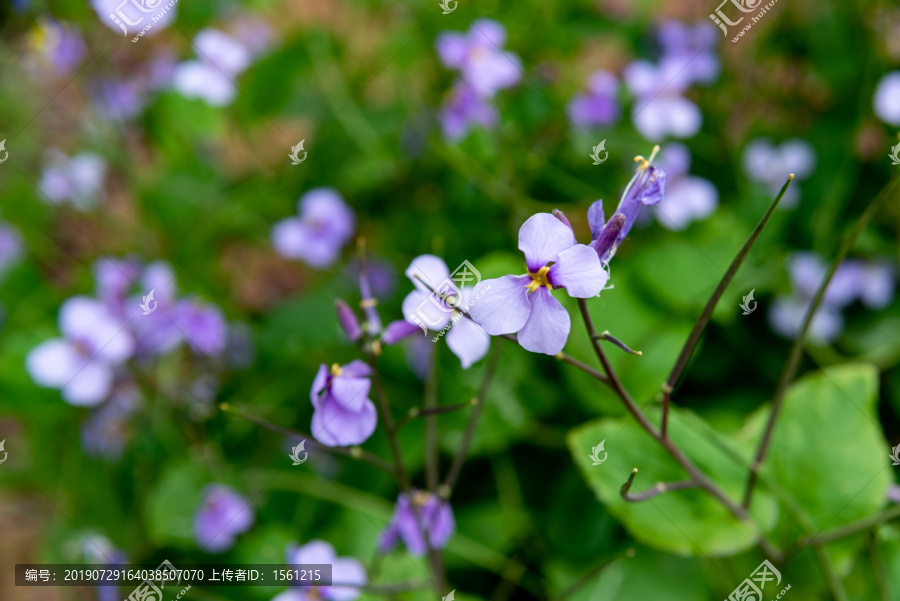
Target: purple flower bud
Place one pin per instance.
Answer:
(607, 238)
(348, 320)
(562, 217)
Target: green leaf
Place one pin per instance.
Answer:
(172, 504)
(674, 579)
(687, 522)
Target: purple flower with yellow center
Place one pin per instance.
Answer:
(598, 106)
(317, 236)
(524, 303)
(435, 518)
(222, 515)
(344, 570)
(59, 45)
(343, 415)
(646, 189)
(463, 109)
(436, 303)
(478, 55)
(83, 363)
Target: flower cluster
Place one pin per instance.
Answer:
(419, 508)
(599, 105)
(484, 68)
(872, 283)
(76, 180)
(109, 338)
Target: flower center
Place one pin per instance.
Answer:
(336, 370)
(420, 497)
(539, 279)
(645, 163)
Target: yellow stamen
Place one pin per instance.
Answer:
(539, 279)
(336, 370)
(646, 162)
(420, 497)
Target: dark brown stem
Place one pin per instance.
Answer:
(446, 489)
(696, 475)
(416, 412)
(705, 316)
(353, 452)
(431, 435)
(793, 362)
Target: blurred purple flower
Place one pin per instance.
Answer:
(212, 77)
(434, 515)
(254, 33)
(887, 98)
(99, 550)
(599, 105)
(343, 414)
(479, 57)
(10, 246)
(77, 180)
(767, 164)
(222, 515)
(425, 308)
(464, 108)
(893, 493)
(660, 109)
(688, 198)
(325, 225)
(788, 312)
(58, 45)
(156, 333)
(344, 570)
(82, 364)
(118, 99)
(104, 434)
(114, 278)
(690, 50)
(202, 325)
(137, 19)
(524, 303)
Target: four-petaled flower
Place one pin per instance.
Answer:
(524, 303)
(414, 513)
(343, 414)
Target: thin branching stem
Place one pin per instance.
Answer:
(584, 580)
(793, 362)
(694, 338)
(417, 412)
(431, 435)
(658, 488)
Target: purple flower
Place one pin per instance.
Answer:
(82, 364)
(325, 225)
(479, 57)
(114, 278)
(766, 164)
(99, 550)
(344, 570)
(77, 180)
(893, 493)
(212, 78)
(690, 49)
(156, 333)
(438, 310)
(646, 189)
(202, 325)
(660, 109)
(688, 198)
(463, 109)
(135, 19)
(59, 45)
(434, 515)
(343, 414)
(10, 246)
(222, 515)
(524, 303)
(788, 312)
(118, 99)
(887, 98)
(598, 106)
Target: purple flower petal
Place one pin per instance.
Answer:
(356, 369)
(542, 237)
(318, 385)
(335, 425)
(579, 271)
(222, 515)
(596, 218)
(468, 341)
(452, 49)
(427, 272)
(351, 393)
(89, 322)
(427, 309)
(886, 101)
(547, 328)
(504, 307)
(398, 330)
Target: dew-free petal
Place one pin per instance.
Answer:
(547, 328)
(542, 237)
(579, 271)
(503, 306)
(468, 341)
